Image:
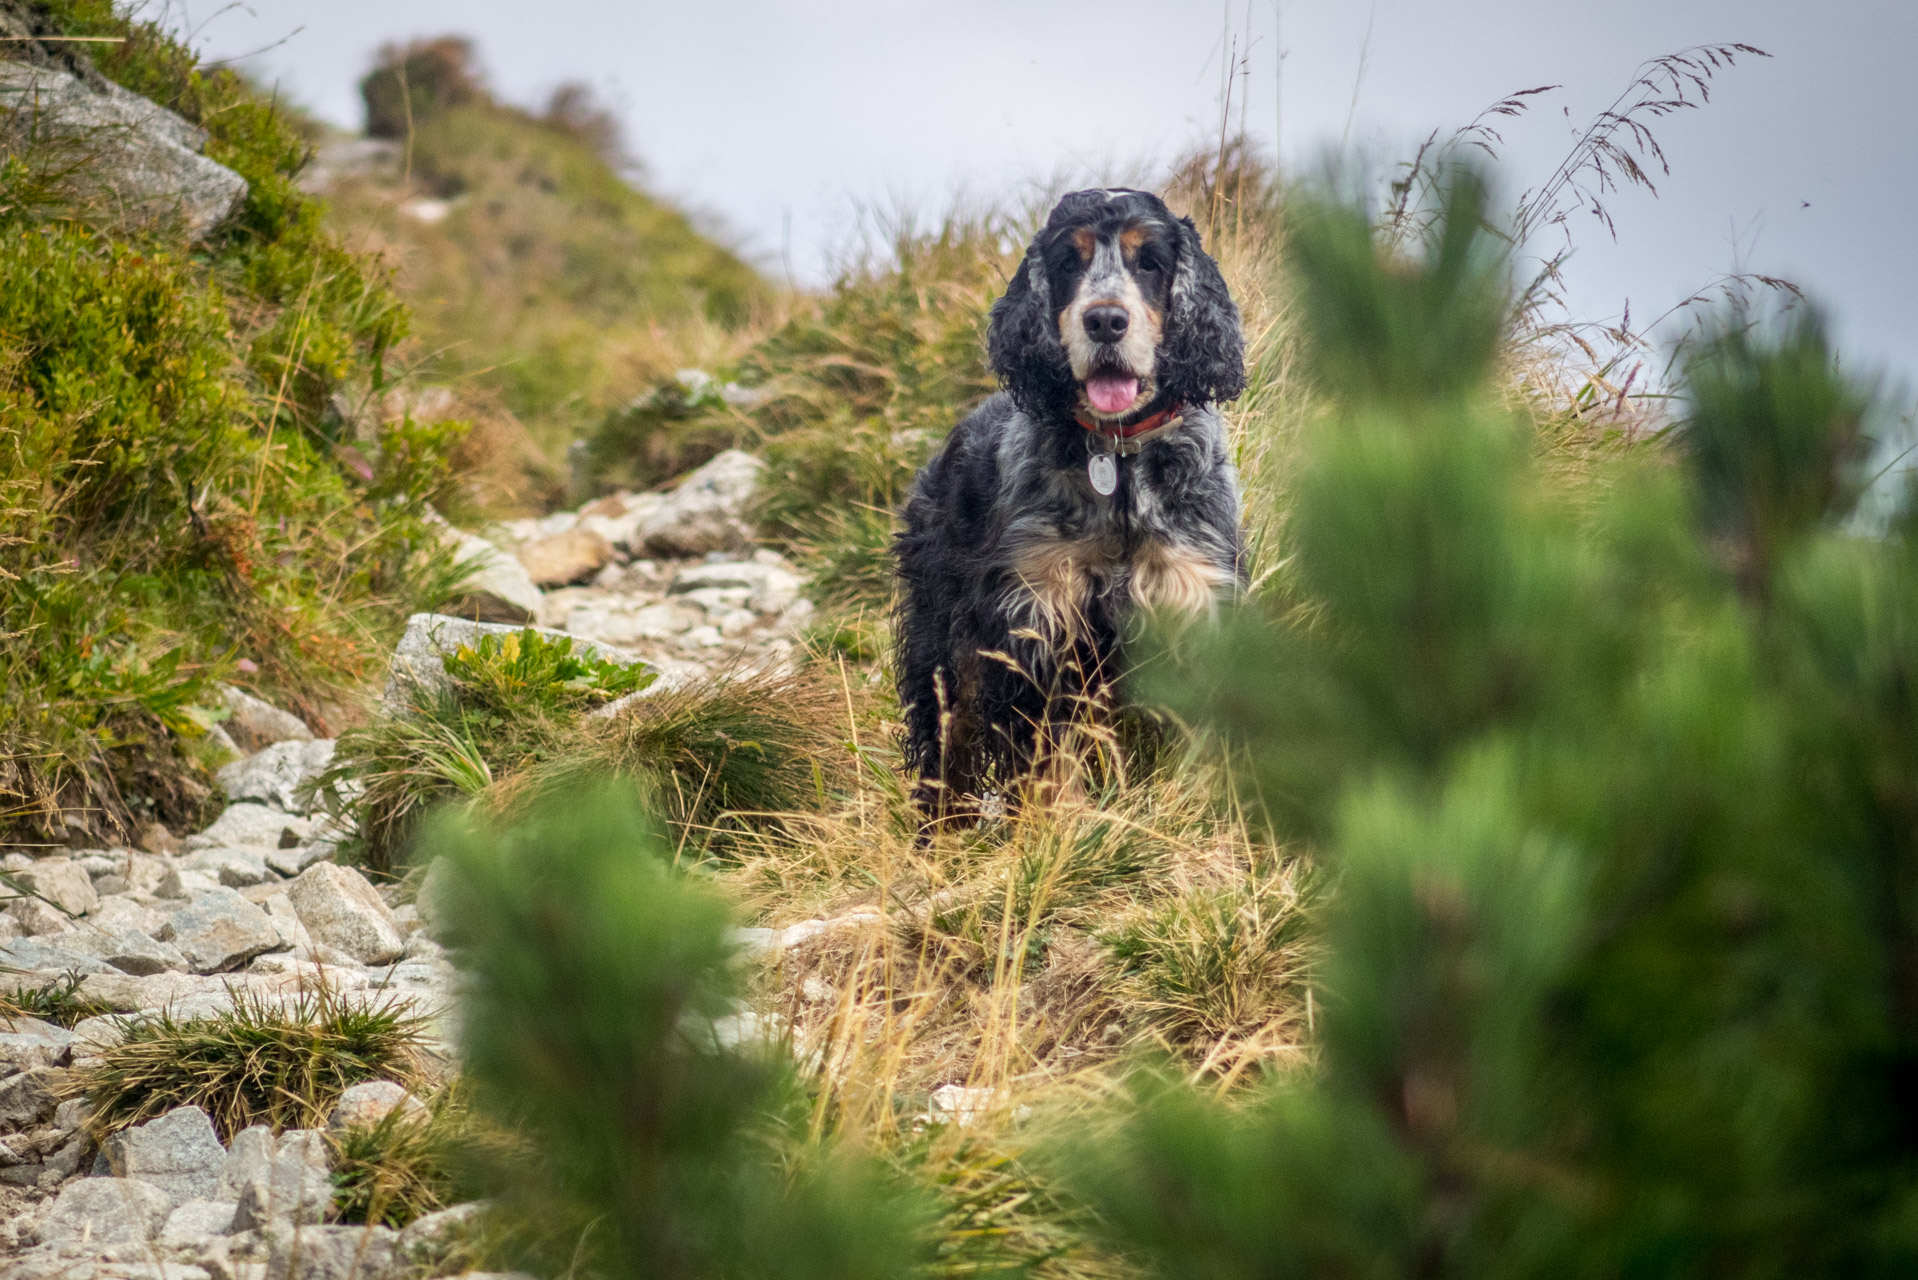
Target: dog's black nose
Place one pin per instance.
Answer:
(1106, 324)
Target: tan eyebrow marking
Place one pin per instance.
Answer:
(1085, 242)
(1130, 239)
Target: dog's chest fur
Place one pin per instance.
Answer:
(1072, 560)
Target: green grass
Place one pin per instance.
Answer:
(855, 392)
(57, 1001)
(281, 1064)
(404, 1166)
(551, 279)
(723, 755)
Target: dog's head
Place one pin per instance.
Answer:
(1117, 308)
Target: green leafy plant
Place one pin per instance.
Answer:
(403, 1166)
(524, 670)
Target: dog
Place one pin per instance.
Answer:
(1094, 488)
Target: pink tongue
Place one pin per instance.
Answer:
(1112, 395)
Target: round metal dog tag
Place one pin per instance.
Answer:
(1104, 474)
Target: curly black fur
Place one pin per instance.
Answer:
(1019, 581)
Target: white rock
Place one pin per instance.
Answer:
(62, 882)
(33, 918)
(737, 622)
(288, 1192)
(179, 1153)
(340, 909)
(105, 1211)
(429, 1239)
(256, 724)
(198, 1219)
(122, 912)
(234, 868)
(290, 862)
(220, 930)
(124, 152)
(276, 775)
(128, 950)
(251, 825)
(286, 920)
(30, 1097)
(366, 1104)
(29, 1042)
(182, 882)
(334, 1253)
(95, 1035)
(705, 511)
(37, 956)
(498, 588)
(707, 637)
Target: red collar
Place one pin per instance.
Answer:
(1139, 428)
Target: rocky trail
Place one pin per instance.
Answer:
(253, 911)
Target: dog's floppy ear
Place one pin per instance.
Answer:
(1023, 343)
(1202, 356)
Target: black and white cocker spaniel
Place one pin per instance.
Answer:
(1097, 485)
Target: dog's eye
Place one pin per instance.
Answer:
(1149, 260)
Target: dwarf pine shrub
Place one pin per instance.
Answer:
(600, 1025)
(1612, 789)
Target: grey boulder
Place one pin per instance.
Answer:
(179, 1153)
(128, 950)
(60, 881)
(250, 824)
(198, 1219)
(255, 724)
(116, 149)
(340, 909)
(220, 930)
(105, 1211)
(278, 774)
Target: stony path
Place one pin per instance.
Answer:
(255, 909)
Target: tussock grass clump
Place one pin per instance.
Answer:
(720, 756)
(404, 1166)
(730, 753)
(1220, 963)
(277, 1062)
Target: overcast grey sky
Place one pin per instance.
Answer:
(783, 117)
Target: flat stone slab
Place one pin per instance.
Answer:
(220, 930)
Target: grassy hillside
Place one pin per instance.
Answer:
(190, 491)
(537, 270)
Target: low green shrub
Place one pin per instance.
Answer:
(185, 498)
(57, 1001)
